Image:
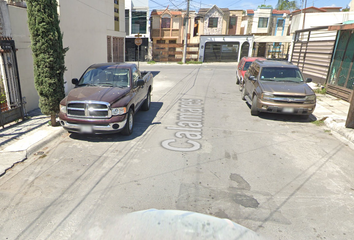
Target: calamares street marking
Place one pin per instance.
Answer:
(189, 127)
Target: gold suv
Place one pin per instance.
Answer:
(277, 87)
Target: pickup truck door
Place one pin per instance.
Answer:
(139, 91)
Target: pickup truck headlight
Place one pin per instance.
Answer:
(119, 111)
(310, 99)
(267, 96)
(62, 108)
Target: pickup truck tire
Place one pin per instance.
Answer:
(147, 102)
(128, 128)
(254, 110)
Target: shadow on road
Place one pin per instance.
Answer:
(142, 121)
(285, 117)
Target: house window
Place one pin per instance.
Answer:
(263, 22)
(213, 22)
(280, 23)
(165, 22)
(160, 41)
(139, 22)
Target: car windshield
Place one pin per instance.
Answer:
(281, 74)
(106, 76)
(247, 65)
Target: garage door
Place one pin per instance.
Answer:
(221, 51)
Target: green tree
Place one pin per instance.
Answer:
(263, 5)
(286, 5)
(48, 54)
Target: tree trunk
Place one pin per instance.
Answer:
(53, 120)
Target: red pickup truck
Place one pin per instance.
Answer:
(105, 99)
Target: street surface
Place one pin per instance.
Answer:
(197, 149)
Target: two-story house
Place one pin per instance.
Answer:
(136, 26)
(167, 35)
(270, 28)
(220, 40)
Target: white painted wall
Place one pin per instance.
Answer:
(319, 19)
(85, 33)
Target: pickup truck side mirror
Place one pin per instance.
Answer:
(308, 80)
(75, 81)
(252, 78)
(140, 83)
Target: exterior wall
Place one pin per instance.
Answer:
(87, 38)
(221, 22)
(319, 19)
(192, 21)
(241, 39)
(238, 14)
(5, 27)
(21, 36)
(261, 13)
(280, 30)
(176, 31)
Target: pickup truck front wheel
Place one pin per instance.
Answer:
(129, 125)
(147, 102)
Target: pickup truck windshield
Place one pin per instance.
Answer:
(106, 76)
(281, 74)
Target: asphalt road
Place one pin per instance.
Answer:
(197, 149)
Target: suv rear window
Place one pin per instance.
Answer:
(247, 65)
(281, 74)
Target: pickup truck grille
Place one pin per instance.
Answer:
(289, 99)
(89, 109)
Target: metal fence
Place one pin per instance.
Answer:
(12, 103)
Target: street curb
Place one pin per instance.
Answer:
(339, 127)
(37, 146)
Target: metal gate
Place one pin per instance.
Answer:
(12, 98)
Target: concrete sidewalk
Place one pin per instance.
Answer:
(19, 140)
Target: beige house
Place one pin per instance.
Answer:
(90, 39)
(219, 21)
(271, 30)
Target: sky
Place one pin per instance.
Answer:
(238, 4)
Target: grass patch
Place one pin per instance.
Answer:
(194, 62)
(318, 122)
(151, 62)
(321, 90)
(190, 62)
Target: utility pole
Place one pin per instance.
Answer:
(186, 20)
(303, 22)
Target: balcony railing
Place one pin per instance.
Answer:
(166, 32)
